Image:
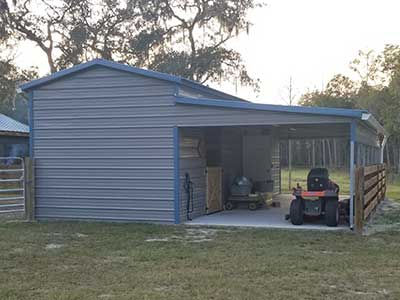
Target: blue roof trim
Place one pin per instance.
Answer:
(342, 112)
(126, 68)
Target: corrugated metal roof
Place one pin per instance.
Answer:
(9, 124)
(126, 68)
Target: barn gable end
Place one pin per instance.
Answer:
(99, 154)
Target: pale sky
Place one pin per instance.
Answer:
(310, 40)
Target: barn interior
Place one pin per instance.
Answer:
(212, 158)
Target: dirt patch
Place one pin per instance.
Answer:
(190, 235)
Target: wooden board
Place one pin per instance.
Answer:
(214, 189)
(359, 200)
(370, 170)
(370, 188)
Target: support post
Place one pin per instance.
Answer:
(29, 186)
(352, 172)
(176, 177)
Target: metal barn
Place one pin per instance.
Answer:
(114, 142)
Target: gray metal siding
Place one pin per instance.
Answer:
(195, 167)
(231, 158)
(191, 115)
(99, 153)
(366, 136)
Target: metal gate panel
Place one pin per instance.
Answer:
(12, 185)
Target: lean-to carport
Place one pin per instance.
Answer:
(365, 136)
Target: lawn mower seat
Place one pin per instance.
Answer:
(318, 179)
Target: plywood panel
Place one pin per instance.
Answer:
(214, 189)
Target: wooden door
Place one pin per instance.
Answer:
(214, 189)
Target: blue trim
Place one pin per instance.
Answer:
(352, 113)
(176, 176)
(30, 107)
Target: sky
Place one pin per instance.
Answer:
(308, 40)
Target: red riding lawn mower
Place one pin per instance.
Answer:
(320, 199)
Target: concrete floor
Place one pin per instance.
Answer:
(267, 217)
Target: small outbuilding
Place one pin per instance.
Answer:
(114, 142)
(14, 137)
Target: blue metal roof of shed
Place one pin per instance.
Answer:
(126, 68)
(11, 125)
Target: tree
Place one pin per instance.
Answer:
(11, 104)
(377, 90)
(182, 37)
(339, 92)
(366, 66)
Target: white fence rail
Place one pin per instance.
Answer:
(12, 185)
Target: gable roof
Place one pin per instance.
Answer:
(125, 68)
(360, 114)
(10, 125)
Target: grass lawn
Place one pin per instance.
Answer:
(341, 177)
(137, 261)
